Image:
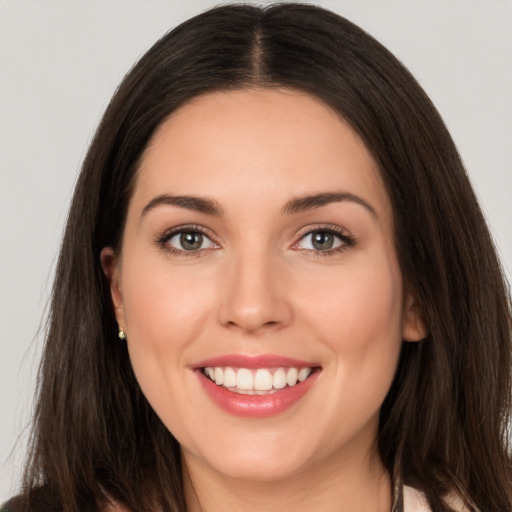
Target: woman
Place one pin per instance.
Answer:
(276, 289)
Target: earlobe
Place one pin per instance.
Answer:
(111, 267)
(413, 328)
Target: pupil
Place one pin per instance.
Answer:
(191, 241)
(322, 240)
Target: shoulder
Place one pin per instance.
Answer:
(13, 505)
(415, 501)
(42, 501)
(19, 504)
(37, 499)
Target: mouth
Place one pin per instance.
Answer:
(256, 386)
(260, 381)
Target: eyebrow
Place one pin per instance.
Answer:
(309, 202)
(198, 204)
(296, 205)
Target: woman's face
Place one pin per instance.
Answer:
(258, 253)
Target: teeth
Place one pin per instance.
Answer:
(244, 379)
(229, 378)
(304, 373)
(291, 376)
(260, 381)
(279, 379)
(219, 376)
(263, 380)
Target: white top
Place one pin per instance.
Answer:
(415, 501)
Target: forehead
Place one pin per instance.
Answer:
(257, 143)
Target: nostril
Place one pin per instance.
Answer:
(253, 325)
(252, 304)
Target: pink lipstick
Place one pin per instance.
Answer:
(256, 386)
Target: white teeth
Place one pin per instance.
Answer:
(263, 380)
(219, 376)
(291, 376)
(260, 381)
(279, 379)
(229, 378)
(244, 379)
(304, 373)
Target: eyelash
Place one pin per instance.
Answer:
(163, 241)
(347, 240)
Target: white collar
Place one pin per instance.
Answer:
(415, 501)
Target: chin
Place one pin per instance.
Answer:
(258, 469)
(253, 458)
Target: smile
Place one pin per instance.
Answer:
(256, 386)
(260, 381)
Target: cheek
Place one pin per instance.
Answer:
(164, 304)
(164, 310)
(360, 304)
(358, 317)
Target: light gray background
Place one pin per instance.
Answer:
(60, 62)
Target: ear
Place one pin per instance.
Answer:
(413, 323)
(112, 268)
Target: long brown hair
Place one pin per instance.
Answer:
(444, 424)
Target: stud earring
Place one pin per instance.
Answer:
(122, 334)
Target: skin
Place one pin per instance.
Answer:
(258, 286)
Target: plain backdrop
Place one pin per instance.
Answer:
(60, 62)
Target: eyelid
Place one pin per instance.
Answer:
(163, 239)
(346, 238)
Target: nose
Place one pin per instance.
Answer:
(254, 298)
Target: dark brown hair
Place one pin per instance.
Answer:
(444, 424)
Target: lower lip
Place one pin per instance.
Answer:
(256, 406)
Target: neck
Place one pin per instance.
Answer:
(361, 484)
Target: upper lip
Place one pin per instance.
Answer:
(255, 361)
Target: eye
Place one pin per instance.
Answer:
(186, 240)
(324, 241)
